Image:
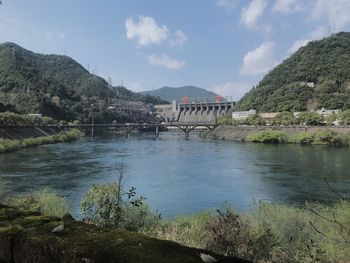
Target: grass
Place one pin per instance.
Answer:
(269, 233)
(45, 201)
(7, 145)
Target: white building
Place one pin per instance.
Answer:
(242, 115)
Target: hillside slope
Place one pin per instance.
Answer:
(316, 76)
(54, 85)
(170, 93)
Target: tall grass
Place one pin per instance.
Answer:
(46, 201)
(269, 233)
(7, 145)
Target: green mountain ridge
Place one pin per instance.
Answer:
(54, 85)
(172, 93)
(316, 76)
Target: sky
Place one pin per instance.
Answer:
(226, 46)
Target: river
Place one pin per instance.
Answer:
(179, 176)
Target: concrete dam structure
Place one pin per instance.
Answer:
(195, 111)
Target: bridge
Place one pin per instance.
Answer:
(126, 128)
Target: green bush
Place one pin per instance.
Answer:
(326, 137)
(302, 138)
(106, 205)
(45, 201)
(268, 136)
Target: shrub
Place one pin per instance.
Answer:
(302, 138)
(327, 137)
(268, 136)
(105, 205)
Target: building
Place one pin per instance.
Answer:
(242, 115)
(325, 113)
(268, 116)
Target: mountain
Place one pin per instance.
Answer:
(55, 85)
(316, 76)
(170, 93)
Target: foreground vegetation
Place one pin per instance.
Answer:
(321, 137)
(7, 145)
(268, 233)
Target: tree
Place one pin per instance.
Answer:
(224, 120)
(255, 120)
(284, 118)
(345, 117)
(309, 118)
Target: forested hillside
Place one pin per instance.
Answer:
(56, 86)
(316, 76)
(169, 93)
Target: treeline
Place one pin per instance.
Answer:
(13, 119)
(287, 118)
(321, 137)
(317, 75)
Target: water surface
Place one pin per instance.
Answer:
(179, 176)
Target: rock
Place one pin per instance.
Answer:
(207, 258)
(58, 229)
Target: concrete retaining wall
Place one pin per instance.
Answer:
(18, 133)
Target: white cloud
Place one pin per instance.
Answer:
(228, 4)
(317, 34)
(165, 61)
(54, 36)
(251, 14)
(234, 89)
(179, 39)
(145, 31)
(336, 11)
(259, 60)
(287, 6)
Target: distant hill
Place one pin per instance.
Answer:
(170, 93)
(316, 76)
(54, 85)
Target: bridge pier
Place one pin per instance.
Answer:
(157, 131)
(93, 131)
(187, 133)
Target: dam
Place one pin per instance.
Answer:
(194, 110)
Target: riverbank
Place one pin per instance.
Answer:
(27, 236)
(9, 145)
(297, 134)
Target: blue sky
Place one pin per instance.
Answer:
(222, 45)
